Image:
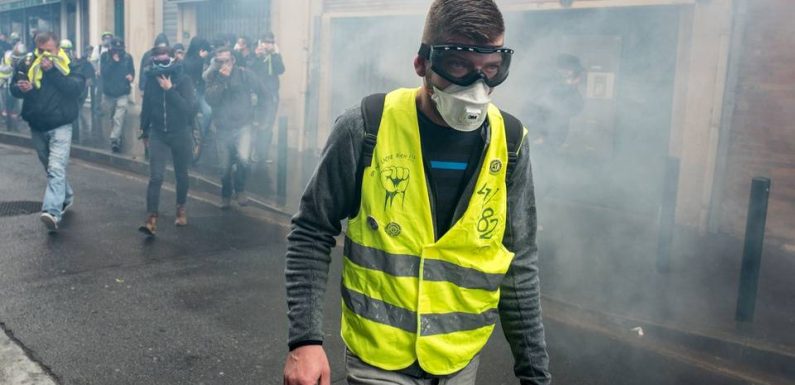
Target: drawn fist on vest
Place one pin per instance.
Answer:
(395, 180)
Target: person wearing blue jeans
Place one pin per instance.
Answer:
(234, 153)
(50, 85)
(53, 148)
(229, 90)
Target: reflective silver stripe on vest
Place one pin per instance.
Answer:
(436, 270)
(379, 311)
(399, 265)
(393, 264)
(433, 324)
(395, 316)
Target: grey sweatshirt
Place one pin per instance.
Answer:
(329, 199)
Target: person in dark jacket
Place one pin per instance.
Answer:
(161, 40)
(117, 73)
(196, 60)
(89, 73)
(268, 66)
(179, 52)
(229, 93)
(244, 53)
(169, 105)
(50, 86)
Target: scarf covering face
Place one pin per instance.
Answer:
(61, 62)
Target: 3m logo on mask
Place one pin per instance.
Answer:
(473, 114)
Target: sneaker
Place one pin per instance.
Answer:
(49, 221)
(115, 147)
(226, 203)
(242, 199)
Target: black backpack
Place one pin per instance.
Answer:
(373, 108)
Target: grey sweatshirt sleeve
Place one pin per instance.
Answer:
(328, 200)
(520, 300)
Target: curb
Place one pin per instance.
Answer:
(732, 351)
(139, 167)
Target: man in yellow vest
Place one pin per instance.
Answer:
(437, 188)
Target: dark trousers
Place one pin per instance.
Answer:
(180, 146)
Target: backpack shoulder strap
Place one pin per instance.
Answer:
(514, 135)
(372, 110)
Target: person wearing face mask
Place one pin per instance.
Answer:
(167, 112)
(436, 185)
(50, 86)
(229, 92)
(161, 40)
(118, 74)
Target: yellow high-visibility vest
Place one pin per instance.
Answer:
(406, 296)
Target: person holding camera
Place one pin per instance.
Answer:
(117, 74)
(50, 86)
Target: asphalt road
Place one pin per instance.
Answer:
(99, 304)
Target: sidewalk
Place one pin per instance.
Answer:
(600, 260)
(15, 366)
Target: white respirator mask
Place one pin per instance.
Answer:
(463, 108)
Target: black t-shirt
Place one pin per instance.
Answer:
(451, 158)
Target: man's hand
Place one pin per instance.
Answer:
(165, 82)
(307, 365)
(46, 64)
(24, 86)
(116, 57)
(226, 70)
(129, 78)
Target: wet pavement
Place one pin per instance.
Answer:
(98, 303)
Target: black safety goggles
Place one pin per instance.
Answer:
(466, 64)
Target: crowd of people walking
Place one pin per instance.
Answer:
(227, 88)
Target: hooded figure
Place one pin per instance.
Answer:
(146, 61)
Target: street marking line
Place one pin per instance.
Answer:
(16, 368)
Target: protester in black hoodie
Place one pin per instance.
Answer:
(50, 86)
(117, 72)
(169, 105)
(146, 61)
(196, 60)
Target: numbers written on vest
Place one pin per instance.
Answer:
(488, 222)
